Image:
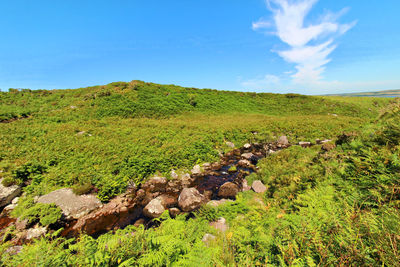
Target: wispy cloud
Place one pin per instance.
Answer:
(262, 82)
(309, 44)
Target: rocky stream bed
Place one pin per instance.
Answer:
(211, 183)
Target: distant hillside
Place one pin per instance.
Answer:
(387, 93)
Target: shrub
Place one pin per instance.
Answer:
(46, 214)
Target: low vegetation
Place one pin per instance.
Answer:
(336, 205)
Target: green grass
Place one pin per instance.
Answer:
(108, 135)
(335, 208)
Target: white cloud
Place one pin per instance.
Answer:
(309, 44)
(262, 82)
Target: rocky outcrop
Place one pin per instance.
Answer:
(190, 199)
(258, 187)
(228, 190)
(118, 213)
(72, 205)
(8, 193)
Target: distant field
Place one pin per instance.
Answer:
(387, 93)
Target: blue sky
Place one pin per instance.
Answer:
(302, 46)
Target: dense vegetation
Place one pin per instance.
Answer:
(336, 207)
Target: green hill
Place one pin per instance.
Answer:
(332, 206)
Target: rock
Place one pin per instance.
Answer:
(72, 205)
(173, 212)
(258, 187)
(245, 186)
(186, 180)
(244, 163)
(154, 209)
(14, 250)
(305, 144)
(283, 141)
(72, 107)
(155, 184)
(139, 222)
(8, 193)
(15, 200)
(81, 133)
(119, 212)
(207, 238)
(247, 156)
(320, 142)
(228, 190)
(10, 207)
(230, 144)
(35, 232)
(206, 165)
(247, 146)
(208, 194)
(328, 146)
(190, 199)
(21, 224)
(216, 203)
(220, 224)
(174, 175)
(168, 201)
(196, 169)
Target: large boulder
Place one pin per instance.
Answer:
(190, 199)
(72, 205)
(119, 212)
(258, 187)
(8, 193)
(154, 209)
(228, 190)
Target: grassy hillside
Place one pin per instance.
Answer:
(321, 208)
(107, 135)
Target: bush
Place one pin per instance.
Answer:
(46, 214)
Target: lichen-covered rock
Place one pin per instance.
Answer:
(258, 187)
(283, 141)
(35, 232)
(154, 209)
(228, 190)
(196, 169)
(72, 205)
(8, 193)
(190, 199)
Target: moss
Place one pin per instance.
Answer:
(8, 181)
(81, 189)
